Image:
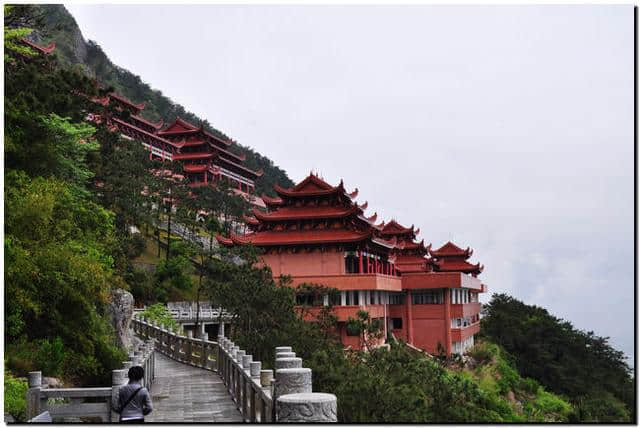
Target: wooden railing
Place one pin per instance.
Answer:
(253, 389)
(87, 404)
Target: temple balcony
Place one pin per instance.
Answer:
(427, 280)
(365, 281)
(462, 333)
(343, 313)
(465, 309)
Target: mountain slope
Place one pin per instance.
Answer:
(72, 50)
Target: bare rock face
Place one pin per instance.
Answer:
(121, 312)
(52, 382)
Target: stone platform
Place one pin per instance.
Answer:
(181, 393)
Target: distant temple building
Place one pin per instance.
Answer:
(205, 158)
(318, 234)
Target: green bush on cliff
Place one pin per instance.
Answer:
(15, 390)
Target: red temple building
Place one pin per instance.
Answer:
(317, 233)
(205, 158)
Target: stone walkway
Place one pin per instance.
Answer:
(183, 393)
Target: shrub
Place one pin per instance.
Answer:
(15, 390)
(50, 357)
(160, 314)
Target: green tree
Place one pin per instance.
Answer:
(567, 361)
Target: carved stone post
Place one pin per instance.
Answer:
(266, 378)
(292, 381)
(33, 394)
(288, 363)
(283, 349)
(246, 361)
(285, 355)
(254, 371)
(117, 380)
(308, 407)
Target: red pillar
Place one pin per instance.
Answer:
(409, 305)
(360, 262)
(367, 264)
(447, 320)
(375, 264)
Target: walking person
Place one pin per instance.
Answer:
(134, 401)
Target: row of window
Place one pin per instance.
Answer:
(464, 322)
(352, 298)
(463, 295)
(371, 297)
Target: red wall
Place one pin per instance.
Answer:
(315, 263)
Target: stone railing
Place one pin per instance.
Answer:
(184, 314)
(87, 404)
(252, 388)
(255, 390)
(185, 349)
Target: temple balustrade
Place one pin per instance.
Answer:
(465, 309)
(425, 280)
(365, 281)
(268, 396)
(459, 334)
(63, 405)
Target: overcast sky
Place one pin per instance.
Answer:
(505, 128)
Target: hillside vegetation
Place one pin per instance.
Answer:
(578, 365)
(72, 50)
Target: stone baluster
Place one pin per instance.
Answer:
(189, 350)
(204, 357)
(266, 378)
(267, 383)
(33, 395)
(310, 407)
(288, 363)
(285, 355)
(292, 381)
(246, 361)
(126, 365)
(117, 380)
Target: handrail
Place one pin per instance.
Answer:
(95, 403)
(252, 389)
(205, 314)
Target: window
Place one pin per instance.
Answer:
(397, 323)
(335, 299)
(396, 299)
(372, 297)
(427, 297)
(351, 262)
(352, 298)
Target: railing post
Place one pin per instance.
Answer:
(308, 407)
(117, 380)
(33, 394)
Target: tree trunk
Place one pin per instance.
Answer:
(169, 229)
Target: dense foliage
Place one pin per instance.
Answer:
(61, 245)
(59, 26)
(574, 363)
